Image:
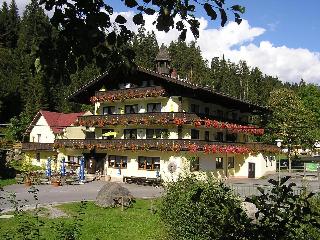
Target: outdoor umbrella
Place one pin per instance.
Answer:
(81, 172)
(48, 170)
(63, 167)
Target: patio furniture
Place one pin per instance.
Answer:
(44, 181)
(19, 179)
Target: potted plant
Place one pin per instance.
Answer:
(55, 180)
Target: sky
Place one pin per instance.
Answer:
(279, 37)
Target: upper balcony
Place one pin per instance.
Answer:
(175, 145)
(164, 119)
(34, 146)
(129, 93)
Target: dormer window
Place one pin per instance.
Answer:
(219, 113)
(206, 111)
(194, 108)
(144, 84)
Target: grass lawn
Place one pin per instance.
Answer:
(138, 222)
(5, 182)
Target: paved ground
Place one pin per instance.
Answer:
(69, 193)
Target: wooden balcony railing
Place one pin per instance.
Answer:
(129, 93)
(175, 145)
(33, 146)
(165, 118)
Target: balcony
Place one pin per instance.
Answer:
(130, 93)
(34, 146)
(164, 118)
(175, 145)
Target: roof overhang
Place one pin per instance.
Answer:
(177, 87)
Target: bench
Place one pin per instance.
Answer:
(142, 180)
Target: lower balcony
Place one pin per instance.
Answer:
(175, 145)
(34, 146)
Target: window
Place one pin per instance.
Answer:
(154, 107)
(230, 162)
(108, 134)
(148, 163)
(90, 135)
(117, 161)
(74, 159)
(131, 108)
(156, 133)
(130, 134)
(234, 116)
(109, 110)
(179, 132)
(232, 137)
(39, 137)
(194, 108)
(206, 136)
(194, 134)
(38, 157)
(219, 162)
(206, 111)
(194, 164)
(220, 113)
(219, 137)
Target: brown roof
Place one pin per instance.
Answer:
(205, 93)
(163, 54)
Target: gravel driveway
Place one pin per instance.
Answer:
(69, 193)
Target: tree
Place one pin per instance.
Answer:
(146, 47)
(282, 214)
(86, 28)
(290, 121)
(188, 61)
(202, 210)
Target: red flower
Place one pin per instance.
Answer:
(197, 122)
(193, 148)
(206, 149)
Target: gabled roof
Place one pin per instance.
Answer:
(56, 121)
(197, 91)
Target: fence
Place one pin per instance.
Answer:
(244, 190)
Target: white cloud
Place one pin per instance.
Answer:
(236, 42)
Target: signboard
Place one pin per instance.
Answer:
(311, 167)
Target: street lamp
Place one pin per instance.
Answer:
(279, 143)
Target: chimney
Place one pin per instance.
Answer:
(174, 73)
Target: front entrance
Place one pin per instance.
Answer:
(252, 170)
(95, 162)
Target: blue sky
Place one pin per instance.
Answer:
(288, 22)
(278, 36)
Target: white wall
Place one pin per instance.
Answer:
(42, 128)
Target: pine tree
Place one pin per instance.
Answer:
(188, 61)
(13, 26)
(4, 22)
(146, 47)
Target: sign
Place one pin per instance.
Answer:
(311, 167)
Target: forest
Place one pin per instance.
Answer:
(34, 74)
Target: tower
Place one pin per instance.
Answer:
(163, 61)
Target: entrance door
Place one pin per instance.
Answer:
(95, 162)
(252, 170)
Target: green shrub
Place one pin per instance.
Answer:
(283, 215)
(195, 209)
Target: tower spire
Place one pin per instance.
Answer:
(163, 60)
